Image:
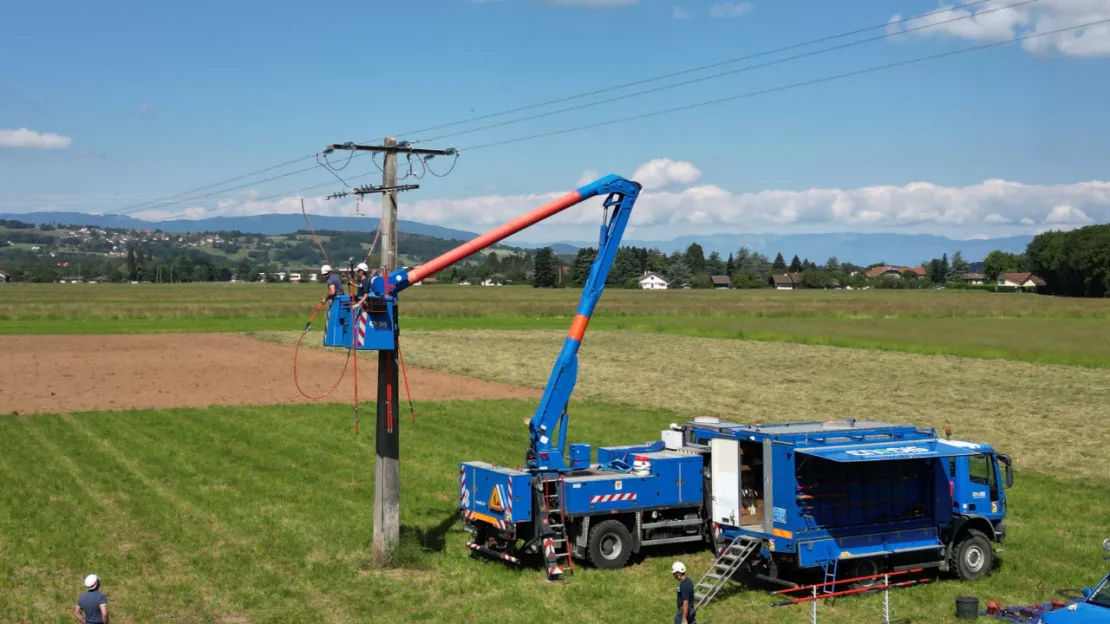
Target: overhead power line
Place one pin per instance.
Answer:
(720, 74)
(691, 70)
(795, 85)
(182, 195)
(748, 94)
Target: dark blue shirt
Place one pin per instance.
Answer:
(363, 288)
(335, 280)
(90, 602)
(686, 592)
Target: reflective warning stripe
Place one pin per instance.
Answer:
(361, 328)
(464, 493)
(610, 498)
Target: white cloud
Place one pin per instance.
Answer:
(1000, 207)
(663, 172)
(1003, 23)
(1067, 215)
(587, 176)
(24, 138)
(723, 10)
(679, 14)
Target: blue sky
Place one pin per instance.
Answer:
(150, 100)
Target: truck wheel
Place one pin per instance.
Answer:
(865, 567)
(610, 545)
(973, 555)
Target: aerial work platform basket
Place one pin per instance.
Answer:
(374, 328)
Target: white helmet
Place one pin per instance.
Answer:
(326, 268)
(91, 581)
(362, 267)
(678, 568)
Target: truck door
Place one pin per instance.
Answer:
(725, 466)
(978, 492)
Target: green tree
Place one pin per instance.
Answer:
(679, 274)
(832, 265)
(998, 262)
(959, 266)
(780, 264)
(714, 265)
(796, 265)
(545, 269)
(243, 271)
(580, 268)
(694, 257)
(626, 265)
(730, 266)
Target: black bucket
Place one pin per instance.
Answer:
(967, 608)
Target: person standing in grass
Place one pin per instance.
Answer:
(685, 595)
(92, 605)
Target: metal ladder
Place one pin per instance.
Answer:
(726, 565)
(555, 519)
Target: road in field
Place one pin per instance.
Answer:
(60, 374)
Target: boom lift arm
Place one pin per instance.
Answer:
(544, 453)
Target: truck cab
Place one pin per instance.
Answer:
(1092, 608)
(977, 485)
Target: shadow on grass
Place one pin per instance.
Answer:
(413, 546)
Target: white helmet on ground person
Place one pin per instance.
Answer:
(363, 267)
(91, 581)
(326, 268)
(678, 568)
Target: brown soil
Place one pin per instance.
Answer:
(58, 374)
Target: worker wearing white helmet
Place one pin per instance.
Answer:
(365, 275)
(685, 614)
(334, 282)
(92, 605)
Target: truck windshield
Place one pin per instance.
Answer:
(1101, 595)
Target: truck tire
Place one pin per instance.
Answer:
(972, 555)
(865, 567)
(610, 545)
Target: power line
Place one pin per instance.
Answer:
(739, 96)
(691, 70)
(784, 87)
(154, 202)
(721, 74)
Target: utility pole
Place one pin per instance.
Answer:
(387, 451)
(387, 455)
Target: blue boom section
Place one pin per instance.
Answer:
(548, 427)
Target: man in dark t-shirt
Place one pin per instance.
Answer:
(685, 595)
(334, 282)
(92, 605)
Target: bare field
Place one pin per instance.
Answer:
(1047, 417)
(60, 374)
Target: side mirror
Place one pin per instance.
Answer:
(1087, 592)
(1009, 470)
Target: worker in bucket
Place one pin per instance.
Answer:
(365, 275)
(92, 605)
(334, 282)
(685, 595)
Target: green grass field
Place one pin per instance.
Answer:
(264, 515)
(1020, 327)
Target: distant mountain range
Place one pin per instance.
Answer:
(268, 224)
(900, 249)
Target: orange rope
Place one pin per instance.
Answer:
(296, 353)
(405, 376)
(314, 237)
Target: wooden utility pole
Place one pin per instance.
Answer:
(387, 455)
(387, 452)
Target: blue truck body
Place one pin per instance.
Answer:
(844, 498)
(1092, 608)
